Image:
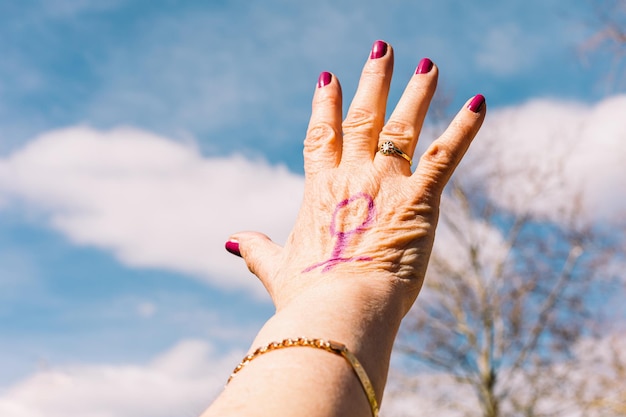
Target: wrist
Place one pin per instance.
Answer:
(365, 318)
(353, 295)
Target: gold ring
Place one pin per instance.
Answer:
(389, 148)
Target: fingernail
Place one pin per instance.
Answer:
(324, 79)
(232, 246)
(379, 49)
(477, 103)
(424, 66)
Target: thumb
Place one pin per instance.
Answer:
(258, 251)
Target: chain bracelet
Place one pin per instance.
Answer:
(327, 345)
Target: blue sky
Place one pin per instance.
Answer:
(136, 135)
(198, 68)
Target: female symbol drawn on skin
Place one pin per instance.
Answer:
(343, 237)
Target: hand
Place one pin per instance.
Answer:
(365, 220)
(356, 258)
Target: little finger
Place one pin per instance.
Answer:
(444, 154)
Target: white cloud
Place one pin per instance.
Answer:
(151, 201)
(181, 381)
(546, 157)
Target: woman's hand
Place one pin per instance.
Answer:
(356, 258)
(366, 220)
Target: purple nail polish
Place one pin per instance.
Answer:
(233, 247)
(379, 49)
(324, 79)
(424, 66)
(477, 103)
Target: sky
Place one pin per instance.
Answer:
(137, 135)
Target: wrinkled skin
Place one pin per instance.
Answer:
(342, 161)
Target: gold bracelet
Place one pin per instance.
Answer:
(327, 345)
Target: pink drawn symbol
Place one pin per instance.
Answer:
(343, 237)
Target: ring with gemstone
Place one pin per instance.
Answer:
(389, 148)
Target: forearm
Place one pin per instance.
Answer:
(275, 382)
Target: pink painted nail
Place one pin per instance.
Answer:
(424, 66)
(477, 103)
(379, 49)
(324, 79)
(232, 246)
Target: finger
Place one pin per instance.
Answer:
(404, 125)
(442, 157)
(322, 146)
(366, 115)
(259, 253)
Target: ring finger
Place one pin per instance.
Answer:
(405, 123)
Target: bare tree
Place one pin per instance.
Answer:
(509, 292)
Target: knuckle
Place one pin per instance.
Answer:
(331, 100)
(319, 135)
(374, 70)
(398, 129)
(439, 157)
(359, 119)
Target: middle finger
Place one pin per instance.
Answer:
(366, 115)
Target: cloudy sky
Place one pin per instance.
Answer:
(136, 135)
